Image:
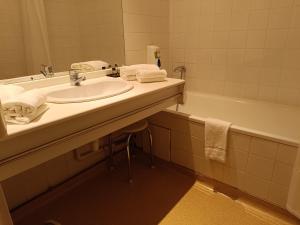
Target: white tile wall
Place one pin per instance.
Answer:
(146, 23)
(257, 166)
(238, 48)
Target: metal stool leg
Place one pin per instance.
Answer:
(129, 158)
(111, 153)
(151, 148)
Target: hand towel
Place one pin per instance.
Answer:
(146, 76)
(216, 139)
(24, 108)
(89, 66)
(9, 91)
(130, 72)
(3, 131)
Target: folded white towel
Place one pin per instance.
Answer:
(130, 72)
(146, 76)
(89, 66)
(3, 131)
(216, 139)
(24, 107)
(9, 91)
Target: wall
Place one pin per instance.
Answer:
(77, 31)
(25, 186)
(12, 56)
(145, 23)
(89, 31)
(257, 166)
(240, 48)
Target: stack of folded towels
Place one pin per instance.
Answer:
(20, 106)
(144, 73)
(89, 66)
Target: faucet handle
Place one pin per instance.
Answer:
(75, 79)
(47, 70)
(73, 73)
(115, 71)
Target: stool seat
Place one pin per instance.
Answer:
(129, 131)
(136, 127)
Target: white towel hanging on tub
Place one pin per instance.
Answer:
(216, 139)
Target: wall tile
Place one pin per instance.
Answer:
(287, 154)
(260, 38)
(256, 187)
(282, 174)
(278, 195)
(260, 167)
(264, 148)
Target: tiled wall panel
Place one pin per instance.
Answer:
(254, 165)
(238, 48)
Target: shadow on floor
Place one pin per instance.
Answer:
(110, 200)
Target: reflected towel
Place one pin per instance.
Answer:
(9, 91)
(293, 202)
(89, 66)
(24, 108)
(130, 72)
(216, 139)
(3, 131)
(146, 76)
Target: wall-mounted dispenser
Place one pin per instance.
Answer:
(153, 55)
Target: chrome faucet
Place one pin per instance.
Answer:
(75, 79)
(47, 71)
(182, 70)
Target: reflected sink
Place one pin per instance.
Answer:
(89, 90)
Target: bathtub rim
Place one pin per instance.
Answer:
(239, 129)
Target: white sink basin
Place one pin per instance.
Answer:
(89, 90)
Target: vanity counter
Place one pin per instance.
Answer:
(67, 126)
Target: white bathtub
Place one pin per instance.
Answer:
(262, 142)
(263, 119)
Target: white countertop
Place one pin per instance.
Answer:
(60, 112)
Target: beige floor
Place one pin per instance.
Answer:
(158, 196)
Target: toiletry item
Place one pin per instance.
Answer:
(153, 55)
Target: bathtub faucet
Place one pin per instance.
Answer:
(182, 70)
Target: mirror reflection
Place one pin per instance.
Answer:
(51, 35)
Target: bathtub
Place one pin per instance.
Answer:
(259, 118)
(262, 147)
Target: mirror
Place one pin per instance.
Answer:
(58, 33)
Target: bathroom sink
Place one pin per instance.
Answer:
(88, 91)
